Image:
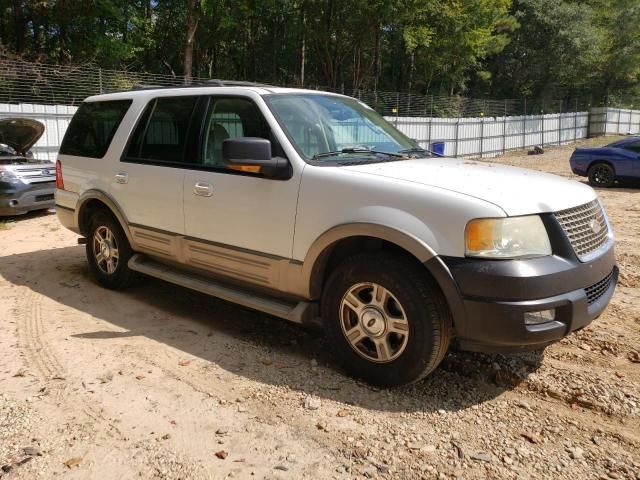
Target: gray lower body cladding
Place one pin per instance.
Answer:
(490, 299)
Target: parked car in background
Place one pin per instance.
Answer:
(604, 166)
(309, 205)
(26, 183)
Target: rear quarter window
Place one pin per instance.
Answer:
(92, 128)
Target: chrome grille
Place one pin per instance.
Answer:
(578, 224)
(33, 174)
(595, 291)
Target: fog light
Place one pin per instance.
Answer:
(541, 316)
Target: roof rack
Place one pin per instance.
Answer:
(204, 83)
(232, 83)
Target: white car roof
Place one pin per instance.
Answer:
(202, 90)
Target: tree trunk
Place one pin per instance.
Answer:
(193, 17)
(20, 25)
(303, 45)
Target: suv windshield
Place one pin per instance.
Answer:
(328, 128)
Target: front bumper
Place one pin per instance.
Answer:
(23, 198)
(489, 298)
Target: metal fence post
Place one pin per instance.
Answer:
(430, 120)
(575, 122)
(524, 125)
(481, 134)
(100, 79)
(397, 107)
(618, 126)
(542, 145)
(560, 124)
(456, 139)
(504, 128)
(606, 116)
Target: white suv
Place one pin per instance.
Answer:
(308, 205)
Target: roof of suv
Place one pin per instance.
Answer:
(203, 90)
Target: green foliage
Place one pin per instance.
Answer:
(499, 48)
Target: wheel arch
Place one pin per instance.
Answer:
(597, 161)
(343, 240)
(93, 200)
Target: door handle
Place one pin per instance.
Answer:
(203, 189)
(122, 177)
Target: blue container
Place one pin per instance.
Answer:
(437, 147)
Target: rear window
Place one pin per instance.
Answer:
(92, 128)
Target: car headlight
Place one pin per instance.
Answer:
(9, 177)
(511, 237)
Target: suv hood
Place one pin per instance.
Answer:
(516, 190)
(20, 133)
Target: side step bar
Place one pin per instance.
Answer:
(301, 312)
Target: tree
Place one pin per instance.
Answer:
(193, 17)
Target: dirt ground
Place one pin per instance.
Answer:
(161, 382)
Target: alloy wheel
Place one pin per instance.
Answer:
(374, 322)
(105, 250)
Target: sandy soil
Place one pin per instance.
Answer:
(161, 382)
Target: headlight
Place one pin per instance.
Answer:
(9, 177)
(511, 237)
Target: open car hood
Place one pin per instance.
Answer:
(20, 133)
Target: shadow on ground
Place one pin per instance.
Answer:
(251, 344)
(628, 186)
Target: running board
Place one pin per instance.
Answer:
(301, 312)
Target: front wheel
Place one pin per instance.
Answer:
(108, 252)
(601, 175)
(385, 318)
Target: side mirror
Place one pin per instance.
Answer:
(253, 154)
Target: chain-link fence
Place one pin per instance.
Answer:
(25, 82)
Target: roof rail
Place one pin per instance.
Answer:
(140, 86)
(231, 83)
(204, 83)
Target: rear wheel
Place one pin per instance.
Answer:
(108, 252)
(601, 175)
(385, 318)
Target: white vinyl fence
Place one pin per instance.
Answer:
(483, 136)
(491, 136)
(614, 121)
(55, 118)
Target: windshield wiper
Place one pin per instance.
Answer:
(417, 150)
(356, 151)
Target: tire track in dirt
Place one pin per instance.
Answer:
(47, 367)
(30, 333)
(41, 358)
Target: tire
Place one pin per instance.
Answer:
(601, 175)
(105, 239)
(410, 294)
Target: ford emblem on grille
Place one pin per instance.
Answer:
(595, 226)
(45, 172)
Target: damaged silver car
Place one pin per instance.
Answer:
(26, 183)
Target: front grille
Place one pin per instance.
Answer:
(36, 174)
(585, 226)
(595, 291)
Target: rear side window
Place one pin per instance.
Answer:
(161, 133)
(634, 147)
(92, 128)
